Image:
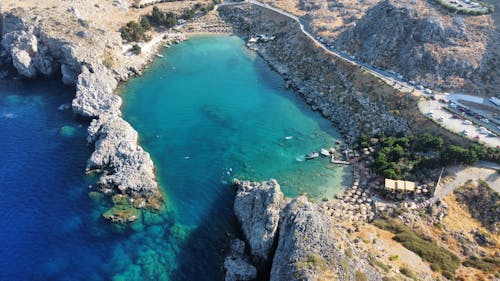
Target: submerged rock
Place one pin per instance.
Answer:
(237, 265)
(257, 207)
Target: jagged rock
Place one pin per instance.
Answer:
(22, 47)
(94, 93)
(129, 168)
(307, 247)
(237, 265)
(257, 207)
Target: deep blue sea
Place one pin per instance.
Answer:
(210, 110)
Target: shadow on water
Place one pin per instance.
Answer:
(212, 235)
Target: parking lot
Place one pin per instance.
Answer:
(460, 119)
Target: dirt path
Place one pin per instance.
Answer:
(458, 175)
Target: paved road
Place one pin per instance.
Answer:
(388, 77)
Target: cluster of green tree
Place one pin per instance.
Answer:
(400, 157)
(488, 9)
(440, 259)
(137, 31)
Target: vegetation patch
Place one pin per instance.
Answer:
(312, 261)
(484, 264)
(440, 258)
(483, 204)
(407, 272)
(402, 157)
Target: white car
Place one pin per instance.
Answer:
(485, 120)
(467, 122)
(465, 132)
(452, 105)
(440, 119)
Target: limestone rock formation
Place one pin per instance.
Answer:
(257, 208)
(237, 265)
(94, 93)
(307, 240)
(128, 167)
(307, 248)
(23, 47)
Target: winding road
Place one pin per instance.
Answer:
(389, 78)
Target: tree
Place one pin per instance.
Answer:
(137, 49)
(146, 25)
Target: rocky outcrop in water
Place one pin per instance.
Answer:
(237, 265)
(126, 168)
(307, 240)
(95, 93)
(257, 207)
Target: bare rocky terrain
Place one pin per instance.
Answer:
(418, 39)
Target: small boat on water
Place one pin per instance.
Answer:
(159, 55)
(288, 137)
(325, 152)
(312, 155)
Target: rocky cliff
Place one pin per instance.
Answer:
(426, 43)
(352, 98)
(124, 166)
(257, 207)
(309, 245)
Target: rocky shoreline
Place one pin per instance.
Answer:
(355, 101)
(292, 239)
(124, 167)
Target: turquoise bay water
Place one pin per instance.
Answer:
(209, 111)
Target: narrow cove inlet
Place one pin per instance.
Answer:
(208, 111)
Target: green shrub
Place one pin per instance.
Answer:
(360, 276)
(407, 272)
(137, 49)
(486, 264)
(348, 252)
(440, 258)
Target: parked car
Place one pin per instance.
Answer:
(467, 122)
(464, 132)
(452, 105)
(485, 120)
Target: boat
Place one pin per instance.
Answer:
(288, 137)
(325, 152)
(159, 55)
(312, 155)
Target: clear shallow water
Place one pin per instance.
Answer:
(210, 105)
(209, 111)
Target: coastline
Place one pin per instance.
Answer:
(126, 172)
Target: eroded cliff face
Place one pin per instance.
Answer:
(124, 166)
(355, 101)
(257, 207)
(309, 246)
(423, 42)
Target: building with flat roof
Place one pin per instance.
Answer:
(399, 186)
